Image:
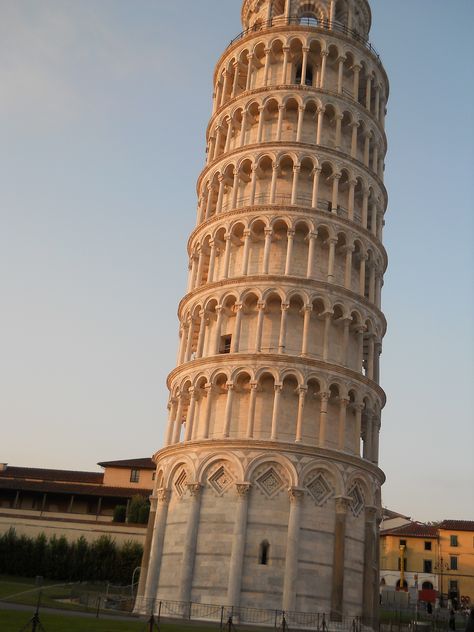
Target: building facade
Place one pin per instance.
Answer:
(268, 487)
(438, 561)
(71, 503)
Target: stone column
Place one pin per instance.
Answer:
(235, 190)
(140, 604)
(332, 241)
(363, 259)
(189, 545)
(228, 139)
(314, 198)
(207, 411)
(358, 427)
(228, 245)
(348, 268)
(339, 118)
(228, 409)
(179, 419)
(276, 411)
(283, 321)
(299, 128)
(273, 184)
(267, 66)
(355, 127)
(320, 126)
(235, 343)
(306, 325)
(253, 186)
(302, 390)
(245, 257)
(289, 251)
(266, 252)
(340, 74)
(312, 244)
(292, 546)
(368, 436)
(355, 90)
(343, 404)
(294, 188)
(171, 417)
(251, 415)
(217, 339)
(337, 590)
(154, 566)
(184, 340)
(360, 347)
(248, 84)
(368, 93)
(324, 55)
(243, 128)
(202, 333)
(190, 415)
(369, 563)
(258, 336)
(345, 342)
(238, 545)
(304, 65)
(327, 324)
(365, 207)
(261, 110)
(286, 52)
(212, 261)
(352, 186)
(335, 192)
(323, 417)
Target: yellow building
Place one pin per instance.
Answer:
(456, 555)
(429, 561)
(408, 557)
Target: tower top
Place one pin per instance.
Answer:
(353, 14)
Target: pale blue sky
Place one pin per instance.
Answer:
(103, 107)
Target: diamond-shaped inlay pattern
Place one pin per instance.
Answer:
(319, 489)
(270, 483)
(357, 500)
(180, 484)
(220, 480)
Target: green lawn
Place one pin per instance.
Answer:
(13, 622)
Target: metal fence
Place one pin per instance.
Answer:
(276, 619)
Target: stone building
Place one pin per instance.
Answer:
(268, 487)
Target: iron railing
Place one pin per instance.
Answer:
(191, 611)
(326, 25)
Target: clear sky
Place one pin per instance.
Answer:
(103, 107)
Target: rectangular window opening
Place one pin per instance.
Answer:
(134, 476)
(427, 546)
(225, 344)
(453, 540)
(453, 565)
(427, 566)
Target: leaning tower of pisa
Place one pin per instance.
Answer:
(268, 486)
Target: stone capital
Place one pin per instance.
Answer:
(342, 504)
(296, 494)
(163, 496)
(194, 489)
(243, 489)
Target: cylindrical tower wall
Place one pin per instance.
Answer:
(270, 465)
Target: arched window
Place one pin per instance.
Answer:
(427, 586)
(263, 553)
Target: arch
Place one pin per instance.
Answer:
(184, 463)
(283, 461)
(212, 459)
(324, 466)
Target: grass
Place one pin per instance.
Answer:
(13, 621)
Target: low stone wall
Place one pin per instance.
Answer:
(70, 527)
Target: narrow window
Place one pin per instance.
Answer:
(427, 566)
(427, 546)
(264, 553)
(134, 476)
(453, 540)
(403, 542)
(225, 344)
(453, 563)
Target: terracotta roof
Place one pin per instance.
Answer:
(457, 525)
(413, 529)
(389, 513)
(71, 488)
(40, 474)
(145, 464)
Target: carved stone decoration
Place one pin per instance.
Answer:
(194, 488)
(356, 500)
(163, 496)
(180, 483)
(220, 480)
(319, 489)
(243, 489)
(270, 483)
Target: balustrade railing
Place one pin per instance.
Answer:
(311, 23)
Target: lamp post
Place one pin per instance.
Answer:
(441, 566)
